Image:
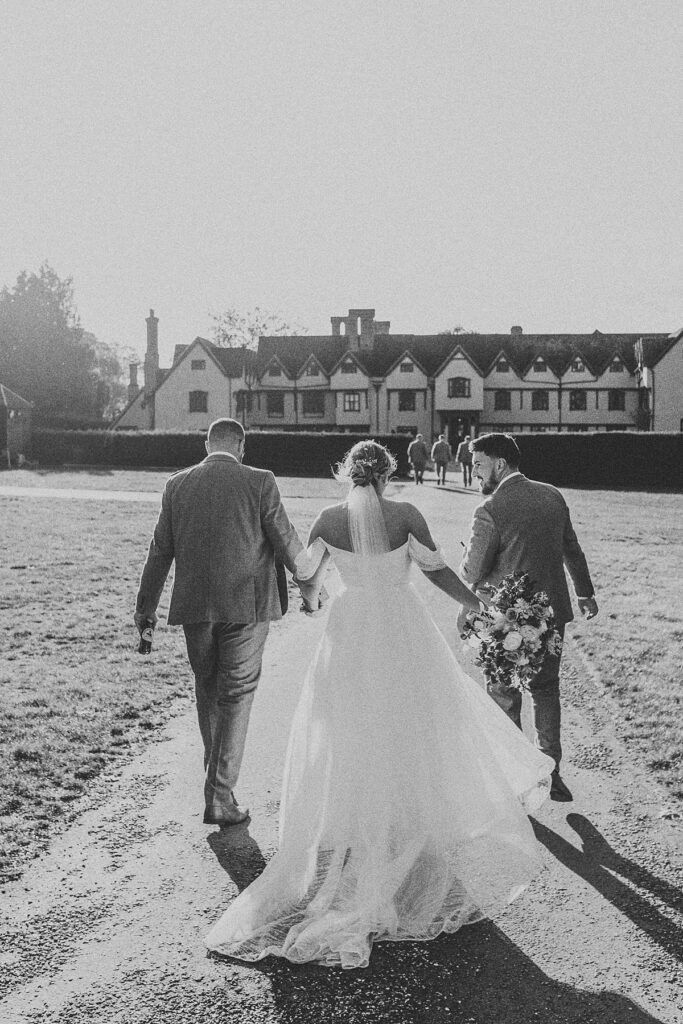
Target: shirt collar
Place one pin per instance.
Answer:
(221, 455)
(510, 476)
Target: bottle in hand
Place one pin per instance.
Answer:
(146, 636)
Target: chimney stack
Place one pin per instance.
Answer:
(152, 353)
(516, 330)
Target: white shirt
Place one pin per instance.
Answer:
(228, 454)
(508, 477)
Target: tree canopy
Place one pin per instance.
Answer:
(47, 357)
(233, 329)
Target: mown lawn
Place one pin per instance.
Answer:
(634, 545)
(76, 696)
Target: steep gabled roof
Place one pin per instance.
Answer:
(294, 351)
(651, 348)
(405, 355)
(275, 360)
(431, 351)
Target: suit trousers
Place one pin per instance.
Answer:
(226, 660)
(545, 703)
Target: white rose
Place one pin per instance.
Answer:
(474, 641)
(530, 633)
(498, 620)
(513, 641)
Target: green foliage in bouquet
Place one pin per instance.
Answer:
(515, 634)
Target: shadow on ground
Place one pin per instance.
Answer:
(598, 864)
(477, 975)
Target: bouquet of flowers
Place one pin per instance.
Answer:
(515, 634)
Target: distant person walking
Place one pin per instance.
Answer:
(418, 453)
(225, 526)
(442, 453)
(464, 457)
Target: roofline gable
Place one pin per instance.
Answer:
(311, 358)
(502, 354)
(453, 352)
(274, 358)
(406, 354)
(349, 355)
(206, 347)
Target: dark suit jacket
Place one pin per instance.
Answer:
(525, 526)
(226, 527)
(464, 455)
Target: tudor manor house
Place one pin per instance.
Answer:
(363, 379)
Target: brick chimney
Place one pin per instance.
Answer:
(152, 353)
(133, 386)
(516, 330)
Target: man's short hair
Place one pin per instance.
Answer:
(498, 446)
(225, 431)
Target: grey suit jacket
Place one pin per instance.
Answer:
(525, 526)
(225, 526)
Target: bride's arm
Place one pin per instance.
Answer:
(311, 566)
(443, 577)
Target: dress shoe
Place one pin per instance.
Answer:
(233, 815)
(558, 790)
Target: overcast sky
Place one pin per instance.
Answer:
(476, 163)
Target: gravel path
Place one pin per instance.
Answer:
(109, 926)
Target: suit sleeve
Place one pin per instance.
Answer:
(276, 525)
(482, 548)
(575, 560)
(159, 558)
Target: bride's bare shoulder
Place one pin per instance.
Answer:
(328, 522)
(411, 520)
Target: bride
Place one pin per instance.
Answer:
(405, 791)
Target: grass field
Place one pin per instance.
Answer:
(76, 696)
(634, 545)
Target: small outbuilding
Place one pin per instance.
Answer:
(15, 426)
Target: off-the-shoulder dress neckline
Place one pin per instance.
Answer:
(347, 551)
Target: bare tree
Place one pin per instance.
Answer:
(233, 329)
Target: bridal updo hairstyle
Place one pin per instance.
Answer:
(365, 463)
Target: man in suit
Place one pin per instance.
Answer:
(525, 526)
(441, 455)
(417, 456)
(228, 531)
(464, 457)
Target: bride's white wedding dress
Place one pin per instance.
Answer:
(403, 802)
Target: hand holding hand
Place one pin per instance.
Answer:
(141, 619)
(312, 600)
(588, 607)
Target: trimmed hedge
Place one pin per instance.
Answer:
(608, 460)
(605, 459)
(287, 454)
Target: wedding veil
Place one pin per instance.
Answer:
(367, 528)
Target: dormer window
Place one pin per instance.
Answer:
(348, 366)
(274, 370)
(616, 366)
(502, 366)
(540, 365)
(312, 370)
(407, 366)
(578, 365)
